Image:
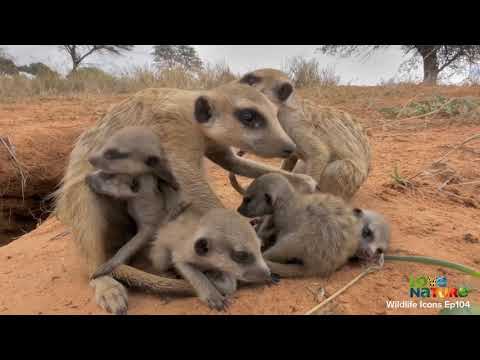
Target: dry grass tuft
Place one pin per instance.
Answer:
(93, 81)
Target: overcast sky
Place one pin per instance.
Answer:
(241, 58)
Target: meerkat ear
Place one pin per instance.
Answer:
(250, 79)
(284, 91)
(203, 109)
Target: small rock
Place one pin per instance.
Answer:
(477, 261)
(471, 239)
(8, 257)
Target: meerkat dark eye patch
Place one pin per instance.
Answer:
(250, 118)
(114, 154)
(201, 247)
(135, 186)
(250, 79)
(106, 176)
(152, 161)
(284, 91)
(367, 233)
(242, 257)
(357, 212)
(203, 110)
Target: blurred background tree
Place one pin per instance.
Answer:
(170, 56)
(78, 53)
(435, 58)
(7, 66)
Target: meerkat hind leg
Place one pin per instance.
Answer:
(286, 270)
(341, 178)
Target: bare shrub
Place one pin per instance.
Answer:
(308, 73)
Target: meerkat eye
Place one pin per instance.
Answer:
(106, 176)
(113, 154)
(367, 233)
(247, 200)
(135, 185)
(152, 161)
(242, 257)
(250, 118)
(201, 247)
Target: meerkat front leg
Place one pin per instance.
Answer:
(227, 159)
(205, 290)
(286, 270)
(224, 282)
(126, 252)
(266, 229)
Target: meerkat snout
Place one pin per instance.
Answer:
(257, 274)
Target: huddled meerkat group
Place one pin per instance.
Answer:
(135, 190)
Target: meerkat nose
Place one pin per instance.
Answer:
(258, 274)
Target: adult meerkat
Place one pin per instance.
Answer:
(315, 233)
(133, 167)
(332, 146)
(189, 125)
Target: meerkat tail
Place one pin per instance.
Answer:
(286, 270)
(139, 279)
(235, 184)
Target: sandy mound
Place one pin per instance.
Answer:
(35, 141)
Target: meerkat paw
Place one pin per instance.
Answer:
(215, 300)
(110, 295)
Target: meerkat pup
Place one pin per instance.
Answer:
(211, 251)
(375, 235)
(145, 204)
(133, 167)
(332, 146)
(315, 233)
